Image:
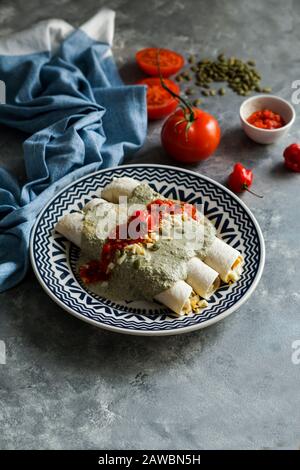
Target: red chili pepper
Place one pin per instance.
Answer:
(292, 157)
(241, 179)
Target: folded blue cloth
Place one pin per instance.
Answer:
(62, 88)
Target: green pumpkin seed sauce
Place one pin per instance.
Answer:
(143, 276)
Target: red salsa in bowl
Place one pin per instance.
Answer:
(266, 119)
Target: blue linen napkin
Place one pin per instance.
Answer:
(62, 88)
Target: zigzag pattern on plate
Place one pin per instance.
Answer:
(55, 258)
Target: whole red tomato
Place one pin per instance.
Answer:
(190, 136)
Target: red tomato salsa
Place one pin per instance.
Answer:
(144, 222)
(266, 119)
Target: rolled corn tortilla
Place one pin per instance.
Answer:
(71, 225)
(119, 187)
(94, 203)
(177, 297)
(203, 279)
(224, 259)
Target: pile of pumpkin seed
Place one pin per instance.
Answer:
(242, 77)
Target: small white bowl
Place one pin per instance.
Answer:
(275, 104)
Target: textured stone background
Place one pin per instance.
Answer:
(233, 385)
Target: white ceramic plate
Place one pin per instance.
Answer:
(53, 257)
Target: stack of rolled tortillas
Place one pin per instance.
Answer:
(222, 262)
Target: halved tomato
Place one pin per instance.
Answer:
(170, 62)
(160, 103)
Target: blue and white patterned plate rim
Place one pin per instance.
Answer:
(156, 332)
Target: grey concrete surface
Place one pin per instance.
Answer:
(67, 385)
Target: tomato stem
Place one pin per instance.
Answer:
(172, 93)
